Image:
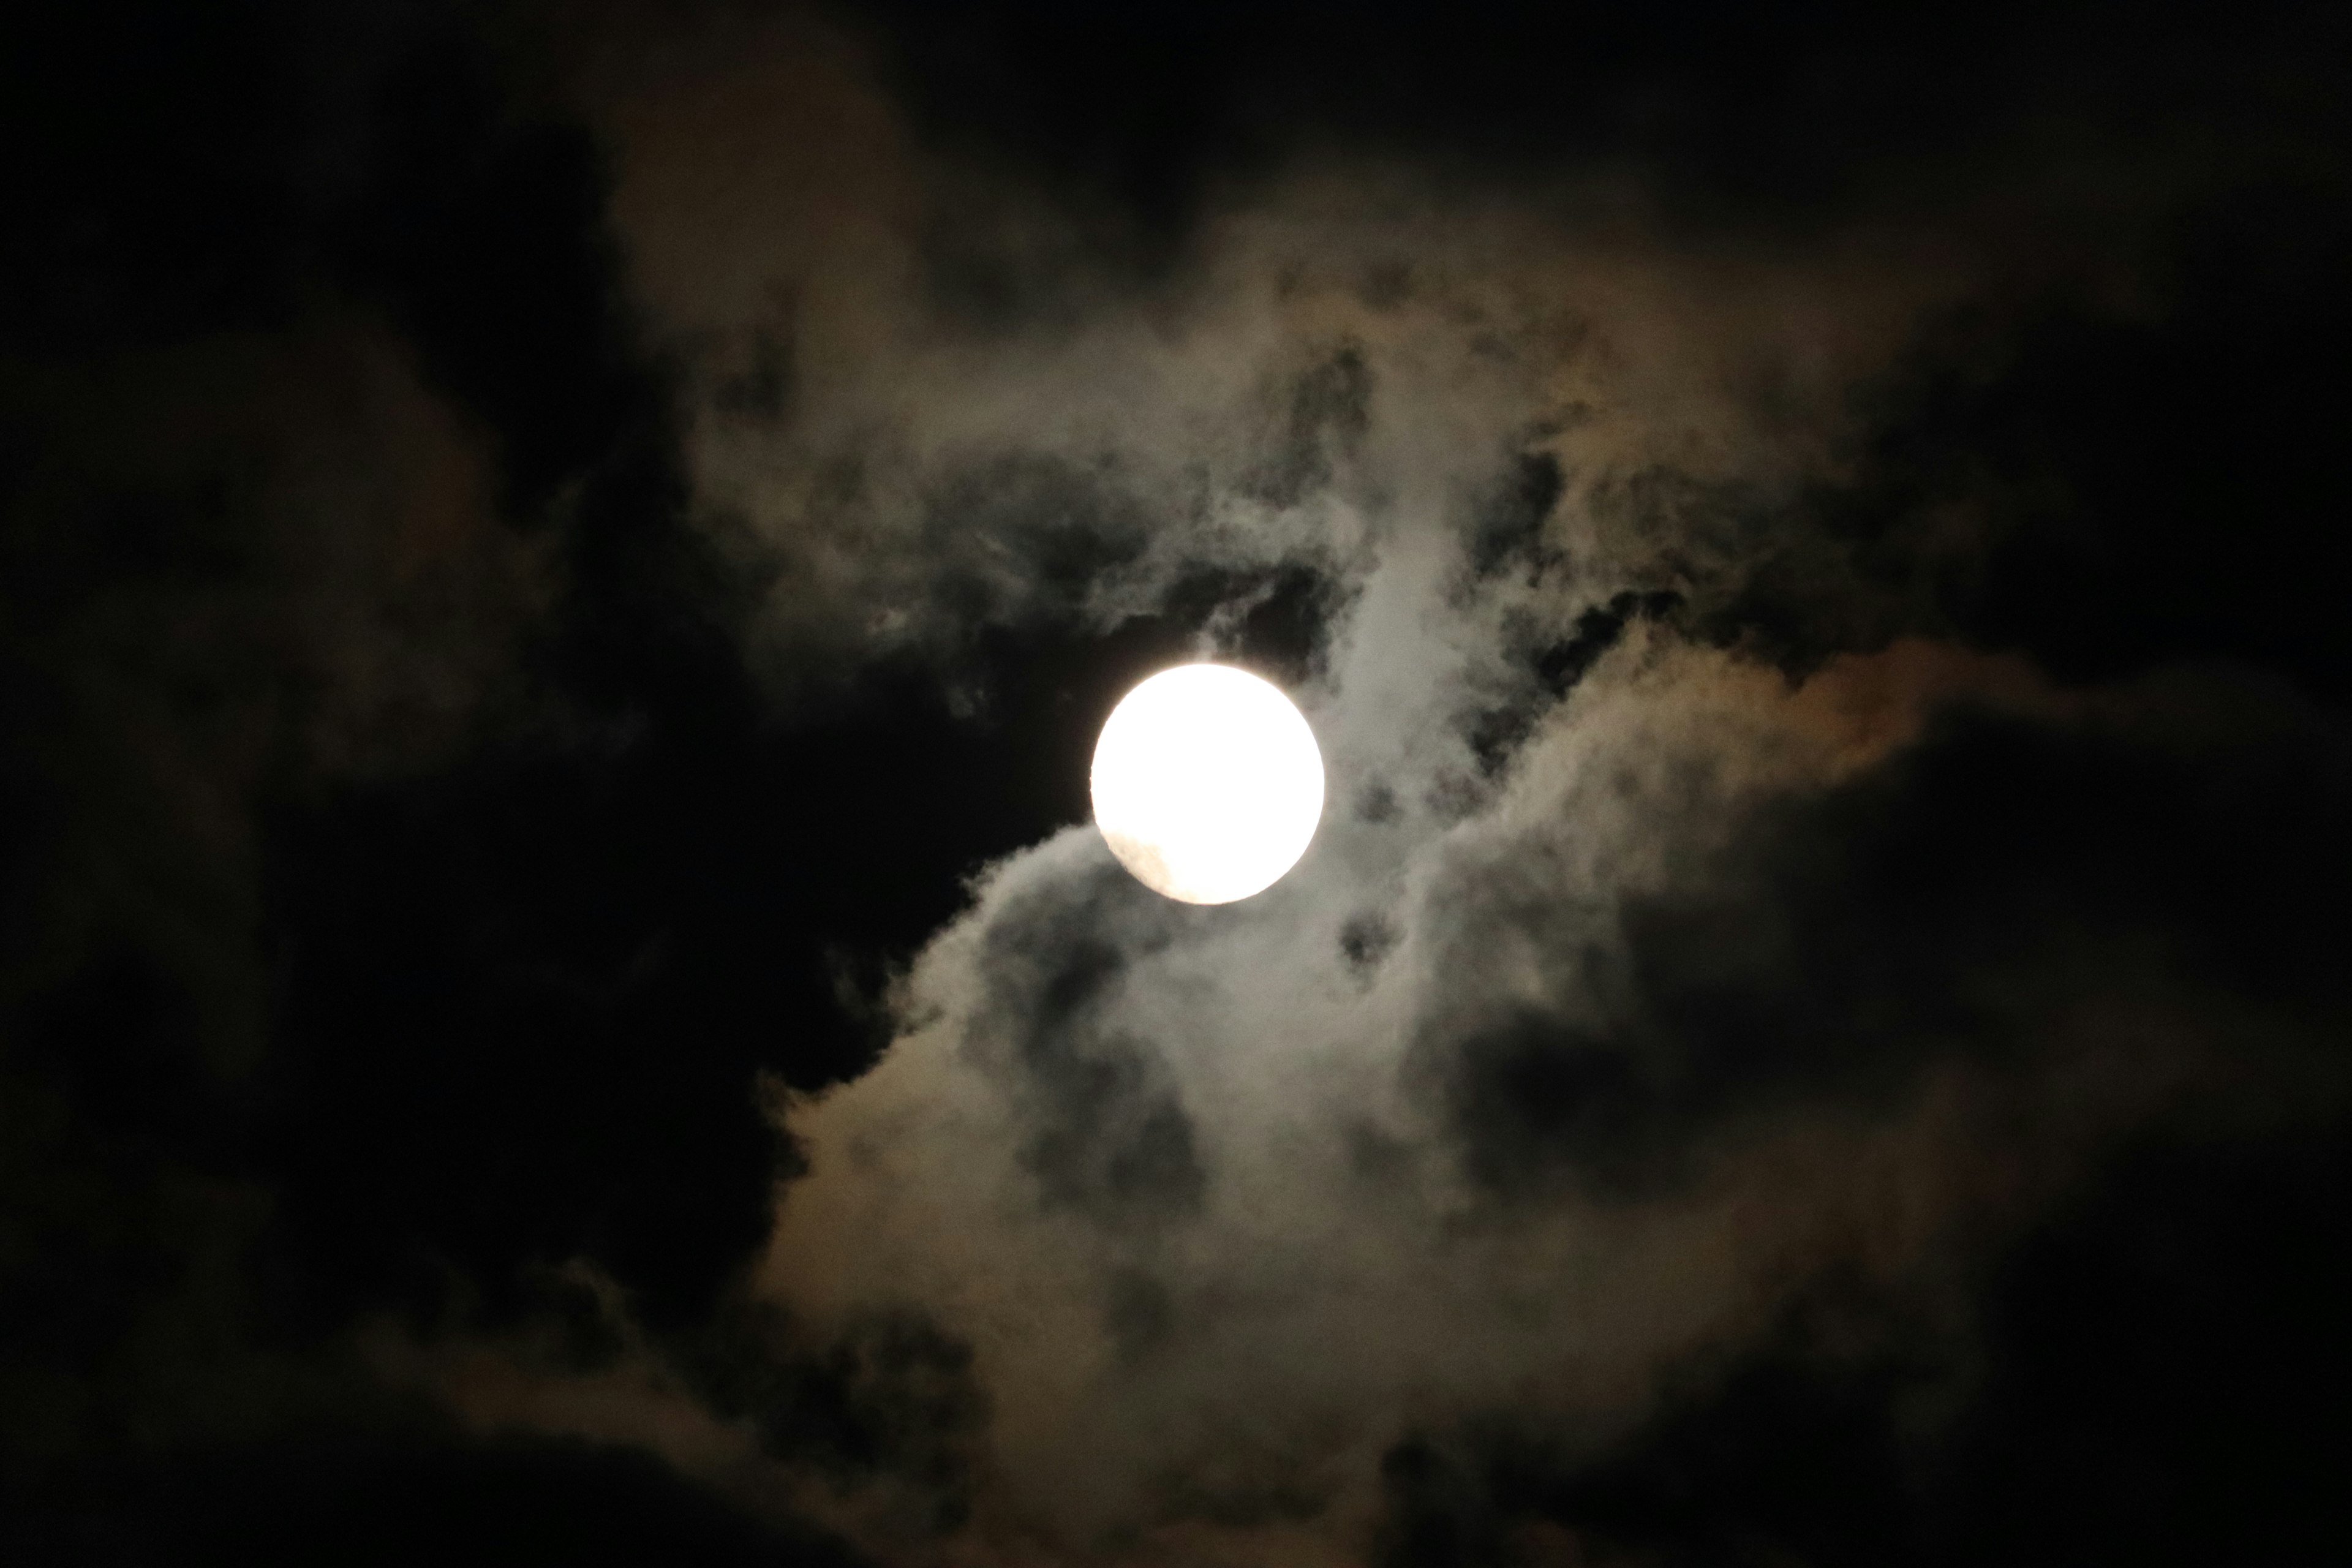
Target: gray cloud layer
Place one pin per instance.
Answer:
(1698, 929)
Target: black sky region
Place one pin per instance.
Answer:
(409, 939)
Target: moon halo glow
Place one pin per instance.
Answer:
(1207, 783)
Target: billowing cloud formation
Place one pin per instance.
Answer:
(1815, 977)
(1731, 995)
(1713, 943)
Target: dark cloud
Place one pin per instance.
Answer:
(892, 1394)
(1996, 879)
(558, 577)
(2110, 1356)
(1509, 529)
(1548, 664)
(1109, 1135)
(1327, 410)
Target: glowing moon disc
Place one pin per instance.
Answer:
(1207, 783)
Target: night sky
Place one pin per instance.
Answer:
(560, 570)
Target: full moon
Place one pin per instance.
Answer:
(1207, 783)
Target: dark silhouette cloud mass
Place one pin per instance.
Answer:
(560, 568)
